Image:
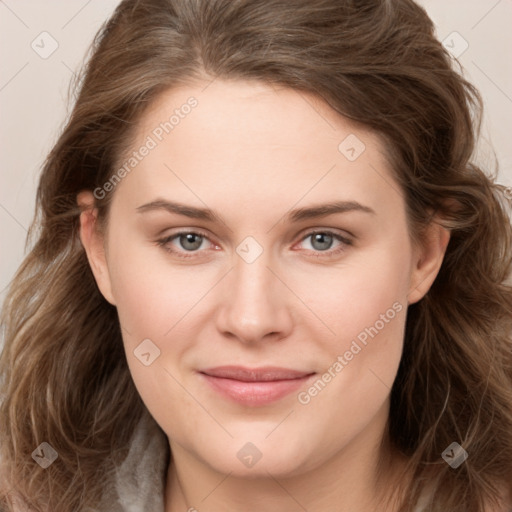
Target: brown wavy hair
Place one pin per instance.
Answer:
(64, 375)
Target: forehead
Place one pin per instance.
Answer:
(252, 141)
(226, 112)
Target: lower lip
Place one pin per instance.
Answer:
(255, 393)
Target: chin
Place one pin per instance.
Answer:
(253, 460)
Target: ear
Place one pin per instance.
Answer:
(94, 244)
(428, 257)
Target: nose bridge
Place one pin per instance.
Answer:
(255, 302)
(251, 280)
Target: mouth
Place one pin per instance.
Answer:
(254, 386)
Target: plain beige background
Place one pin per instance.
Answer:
(43, 43)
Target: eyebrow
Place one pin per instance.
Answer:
(311, 212)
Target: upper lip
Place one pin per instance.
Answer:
(266, 373)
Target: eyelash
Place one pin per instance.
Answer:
(329, 253)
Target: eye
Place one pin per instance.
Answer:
(186, 241)
(322, 241)
(190, 242)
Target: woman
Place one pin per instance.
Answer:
(267, 275)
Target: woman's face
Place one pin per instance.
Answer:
(255, 344)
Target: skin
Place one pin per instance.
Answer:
(251, 153)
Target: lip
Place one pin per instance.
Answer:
(254, 386)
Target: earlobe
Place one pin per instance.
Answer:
(93, 243)
(427, 261)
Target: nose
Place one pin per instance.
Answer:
(254, 304)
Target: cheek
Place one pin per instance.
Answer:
(145, 309)
(365, 290)
(367, 314)
(152, 295)
(154, 303)
(364, 305)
